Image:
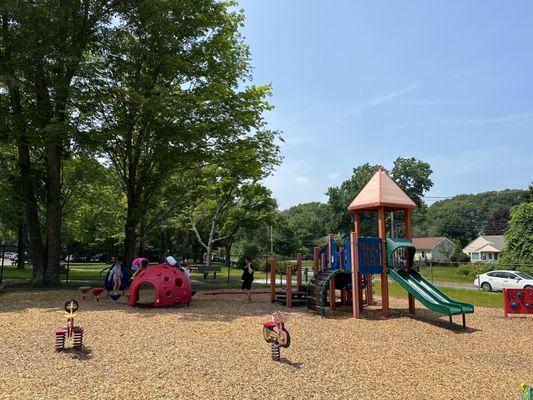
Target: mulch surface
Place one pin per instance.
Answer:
(214, 349)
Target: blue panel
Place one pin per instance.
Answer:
(370, 255)
(347, 254)
(334, 262)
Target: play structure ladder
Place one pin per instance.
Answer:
(299, 297)
(318, 288)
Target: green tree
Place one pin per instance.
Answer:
(308, 221)
(93, 207)
(464, 217)
(42, 54)
(231, 185)
(174, 98)
(285, 241)
(339, 198)
(519, 237)
(412, 176)
(498, 221)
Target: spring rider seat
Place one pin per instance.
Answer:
(76, 332)
(275, 333)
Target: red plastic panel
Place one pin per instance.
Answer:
(171, 285)
(518, 301)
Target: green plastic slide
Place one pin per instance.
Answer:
(428, 294)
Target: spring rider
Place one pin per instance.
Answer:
(526, 392)
(276, 334)
(76, 332)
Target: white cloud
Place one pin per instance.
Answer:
(301, 179)
(458, 122)
(385, 98)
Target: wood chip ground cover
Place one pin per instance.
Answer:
(214, 350)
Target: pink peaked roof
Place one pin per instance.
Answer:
(381, 191)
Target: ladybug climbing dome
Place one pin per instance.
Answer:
(170, 284)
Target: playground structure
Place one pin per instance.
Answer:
(97, 292)
(171, 286)
(289, 296)
(517, 301)
(350, 270)
(275, 333)
(76, 332)
(108, 284)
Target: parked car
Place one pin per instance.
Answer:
(98, 258)
(498, 280)
(9, 254)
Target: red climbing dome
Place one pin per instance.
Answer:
(171, 285)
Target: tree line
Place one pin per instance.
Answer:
(120, 119)
(461, 218)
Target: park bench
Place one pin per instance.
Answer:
(204, 269)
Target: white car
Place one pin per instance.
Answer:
(498, 280)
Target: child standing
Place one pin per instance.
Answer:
(116, 276)
(247, 277)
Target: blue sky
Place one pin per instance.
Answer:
(450, 83)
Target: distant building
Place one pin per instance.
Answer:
(437, 249)
(485, 248)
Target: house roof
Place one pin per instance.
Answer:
(427, 243)
(496, 241)
(381, 191)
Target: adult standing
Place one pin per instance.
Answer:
(247, 277)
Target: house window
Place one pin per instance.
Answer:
(483, 256)
(496, 256)
(423, 254)
(474, 256)
(490, 256)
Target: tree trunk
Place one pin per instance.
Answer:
(228, 244)
(130, 241)
(31, 213)
(209, 253)
(53, 214)
(24, 163)
(21, 244)
(132, 221)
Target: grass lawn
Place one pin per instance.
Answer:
(90, 272)
(446, 274)
(80, 272)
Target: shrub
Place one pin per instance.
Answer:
(459, 256)
(472, 269)
(526, 270)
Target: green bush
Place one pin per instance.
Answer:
(459, 256)
(526, 270)
(472, 269)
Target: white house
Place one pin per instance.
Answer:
(437, 249)
(485, 248)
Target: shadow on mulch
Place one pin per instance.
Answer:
(296, 365)
(422, 315)
(84, 354)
